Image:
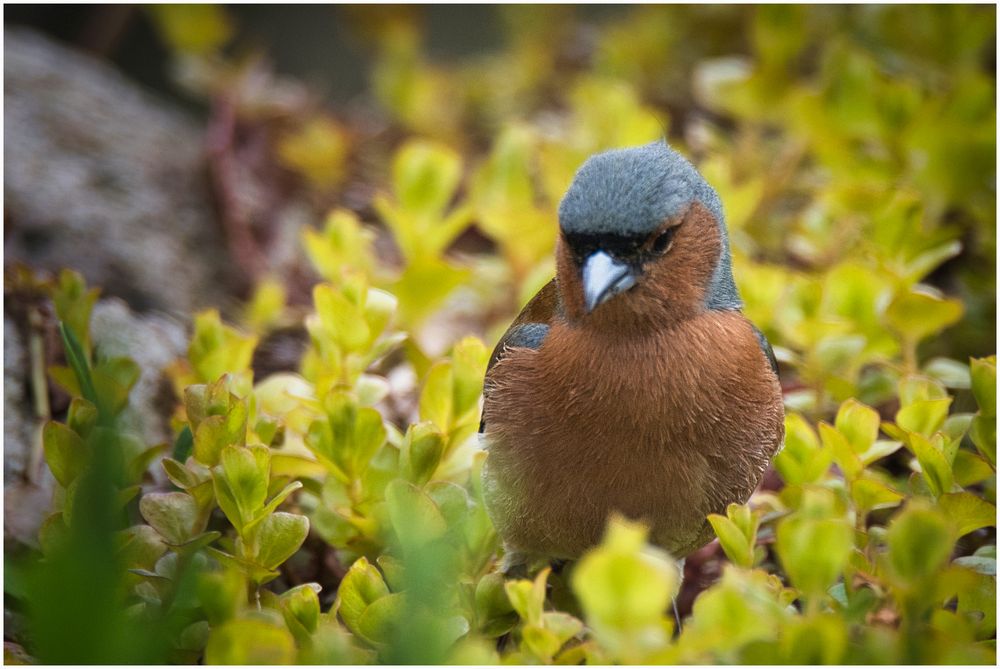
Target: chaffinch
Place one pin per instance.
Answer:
(632, 382)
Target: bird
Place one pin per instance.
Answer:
(632, 383)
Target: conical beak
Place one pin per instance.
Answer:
(603, 278)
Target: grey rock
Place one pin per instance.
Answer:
(153, 341)
(103, 177)
(18, 418)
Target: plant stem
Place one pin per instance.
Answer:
(39, 390)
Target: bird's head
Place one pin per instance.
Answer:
(642, 240)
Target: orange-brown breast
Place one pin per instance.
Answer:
(666, 427)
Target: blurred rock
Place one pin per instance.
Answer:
(152, 341)
(105, 178)
(17, 413)
(27, 495)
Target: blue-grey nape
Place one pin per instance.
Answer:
(631, 192)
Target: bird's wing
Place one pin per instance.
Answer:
(765, 346)
(529, 328)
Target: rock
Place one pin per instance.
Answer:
(103, 177)
(153, 341)
(18, 417)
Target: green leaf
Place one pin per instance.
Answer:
(916, 388)
(361, 586)
(469, 359)
(437, 398)
(739, 610)
(869, 495)
(172, 514)
(140, 464)
(380, 306)
(933, 463)
(215, 432)
(494, 611)
(841, 450)
(983, 433)
(281, 496)
(924, 417)
(920, 543)
(415, 518)
(241, 480)
(540, 641)
(140, 546)
(984, 384)
(625, 585)
(817, 639)
(181, 476)
(344, 244)
(341, 317)
(424, 285)
(801, 460)
(453, 502)
(528, 597)
(562, 625)
(192, 29)
(879, 450)
(970, 469)
(967, 512)
(221, 594)
(218, 349)
(425, 176)
(197, 542)
(65, 452)
(81, 416)
(733, 541)
(300, 606)
(250, 641)
(113, 378)
(349, 437)
(279, 536)
(79, 362)
(184, 445)
(813, 551)
(382, 620)
(74, 304)
(859, 425)
(920, 313)
(421, 453)
(394, 571)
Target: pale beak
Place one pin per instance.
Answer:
(603, 278)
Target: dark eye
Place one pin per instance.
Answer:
(662, 242)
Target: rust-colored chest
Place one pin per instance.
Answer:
(666, 427)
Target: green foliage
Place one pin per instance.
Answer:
(853, 150)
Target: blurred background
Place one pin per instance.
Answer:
(196, 141)
(189, 157)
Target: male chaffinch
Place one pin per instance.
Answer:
(632, 382)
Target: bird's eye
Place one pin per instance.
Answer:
(662, 242)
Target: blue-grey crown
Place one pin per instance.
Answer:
(631, 192)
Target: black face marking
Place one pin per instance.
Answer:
(621, 247)
(632, 249)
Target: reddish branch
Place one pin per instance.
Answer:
(222, 163)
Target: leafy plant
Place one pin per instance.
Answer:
(852, 148)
